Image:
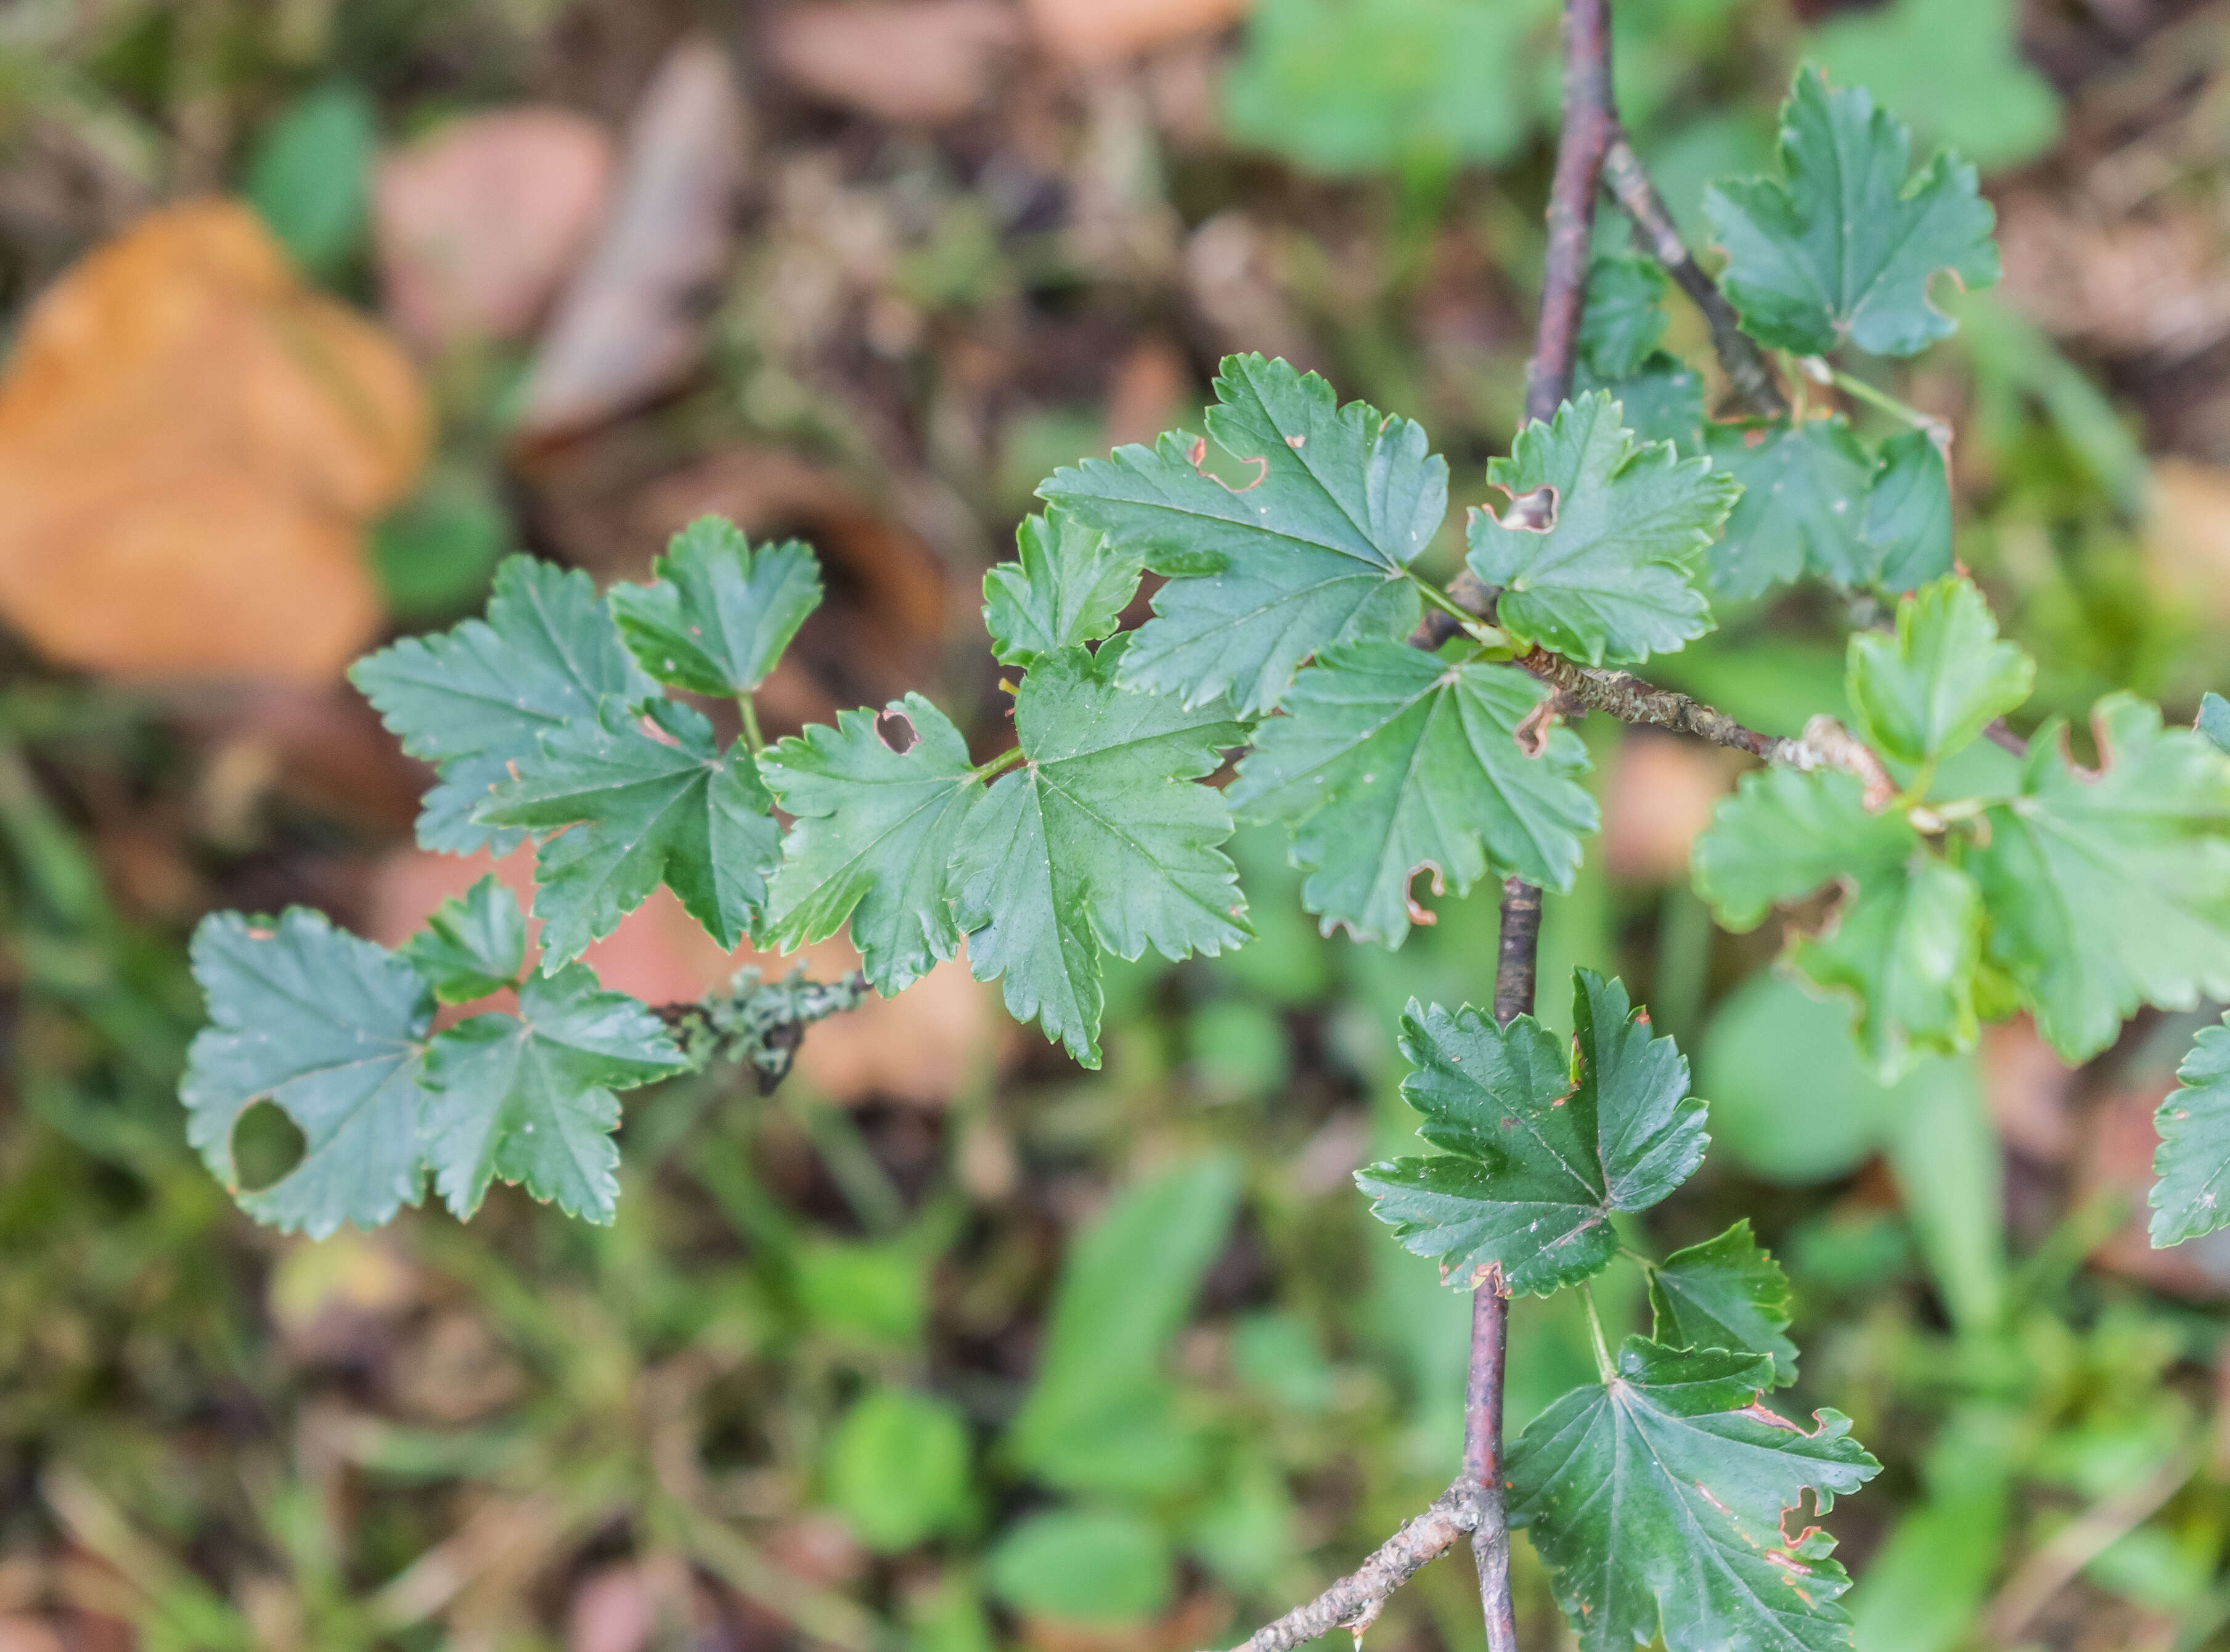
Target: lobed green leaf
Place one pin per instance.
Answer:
(1389, 762)
(2193, 1159)
(877, 829)
(1608, 580)
(1099, 840)
(1313, 549)
(1726, 1293)
(636, 797)
(2112, 890)
(1069, 583)
(1658, 1500)
(718, 614)
(477, 699)
(332, 1029)
(528, 1099)
(472, 945)
(1536, 1154)
(1926, 691)
(1842, 248)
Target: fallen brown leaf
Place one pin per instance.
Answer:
(630, 324)
(2030, 1091)
(907, 62)
(190, 444)
(2116, 1159)
(1086, 32)
(2188, 533)
(1660, 795)
(478, 223)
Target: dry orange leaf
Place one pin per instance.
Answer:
(1087, 32)
(479, 223)
(190, 444)
(901, 61)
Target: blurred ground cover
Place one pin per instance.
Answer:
(947, 1343)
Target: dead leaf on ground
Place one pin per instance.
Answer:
(1086, 32)
(2116, 1158)
(190, 444)
(21, 1632)
(1660, 795)
(2141, 285)
(2188, 534)
(630, 324)
(917, 1048)
(2029, 1090)
(478, 223)
(907, 62)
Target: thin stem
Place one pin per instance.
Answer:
(1826, 372)
(754, 742)
(1464, 618)
(999, 764)
(1745, 363)
(1603, 1366)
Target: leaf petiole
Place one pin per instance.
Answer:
(1821, 372)
(1603, 1367)
(1005, 760)
(754, 742)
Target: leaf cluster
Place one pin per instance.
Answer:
(2077, 894)
(1657, 1494)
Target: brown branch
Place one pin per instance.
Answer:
(1745, 365)
(1356, 1600)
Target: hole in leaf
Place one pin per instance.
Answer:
(266, 1146)
(1419, 912)
(895, 731)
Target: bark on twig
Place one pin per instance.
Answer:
(1745, 365)
(1356, 1600)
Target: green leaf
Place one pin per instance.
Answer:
(528, 1099)
(1099, 840)
(1956, 70)
(1100, 1566)
(898, 1469)
(310, 175)
(1803, 506)
(1843, 250)
(1663, 401)
(1102, 1415)
(472, 945)
(1350, 87)
(718, 614)
(1608, 580)
(1657, 1500)
(1785, 833)
(2111, 891)
(1935, 686)
(643, 796)
(2213, 719)
(1070, 585)
(1311, 549)
(1624, 314)
(435, 553)
(475, 700)
(2193, 1160)
(876, 832)
(1905, 940)
(1907, 527)
(330, 1029)
(1389, 762)
(1726, 1293)
(1536, 1155)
